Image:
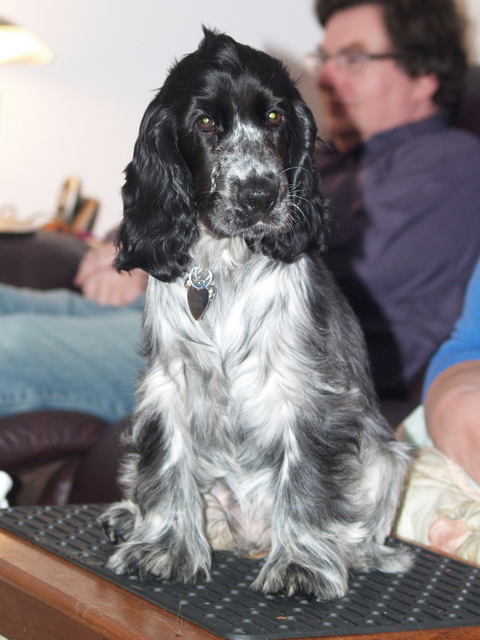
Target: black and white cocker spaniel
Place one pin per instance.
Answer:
(256, 429)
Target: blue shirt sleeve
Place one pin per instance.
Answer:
(464, 343)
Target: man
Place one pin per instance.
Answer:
(404, 187)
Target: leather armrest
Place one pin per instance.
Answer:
(96, 476)
(39, 437)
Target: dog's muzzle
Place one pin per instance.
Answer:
(257, 196)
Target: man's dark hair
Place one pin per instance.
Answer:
(429, 35)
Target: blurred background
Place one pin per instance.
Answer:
(79, 114)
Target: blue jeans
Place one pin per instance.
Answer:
(59, 350)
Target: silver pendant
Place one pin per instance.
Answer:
(200, 292)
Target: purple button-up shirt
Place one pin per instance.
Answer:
(405, 240)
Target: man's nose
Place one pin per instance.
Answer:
(326, 76)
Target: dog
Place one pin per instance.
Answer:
(257, 429)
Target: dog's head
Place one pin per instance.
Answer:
(229, 141)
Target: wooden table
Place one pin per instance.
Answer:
(44, 597)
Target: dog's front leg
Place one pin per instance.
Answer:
(306, 558)
(161, 529)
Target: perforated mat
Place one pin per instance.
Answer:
(438, 592)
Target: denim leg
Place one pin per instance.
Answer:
(88, 364)
(52, 302)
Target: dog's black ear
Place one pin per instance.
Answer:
(159, 222)
(308, 206)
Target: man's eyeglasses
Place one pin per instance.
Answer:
(345, 60)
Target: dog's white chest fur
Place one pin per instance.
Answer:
(235, 378)
(244, 342)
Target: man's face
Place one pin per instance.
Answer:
(376, 95)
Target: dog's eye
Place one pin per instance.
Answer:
(274, 118)
(206, 124)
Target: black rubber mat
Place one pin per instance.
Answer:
(437, 592)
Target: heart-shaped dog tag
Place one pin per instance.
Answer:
(198, 299)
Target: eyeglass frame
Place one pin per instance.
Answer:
(315, 61)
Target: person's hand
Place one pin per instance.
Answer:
(452, 412)
(97, 279)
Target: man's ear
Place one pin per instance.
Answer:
(426, 86)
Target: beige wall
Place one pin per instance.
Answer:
(80, 114)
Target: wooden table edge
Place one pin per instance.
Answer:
(118, 614)
(85, 597)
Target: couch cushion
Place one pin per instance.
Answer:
(38, 437)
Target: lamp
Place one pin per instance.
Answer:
(20, 45)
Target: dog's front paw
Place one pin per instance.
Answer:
(292, 579)
(161, 560)
(118, 521)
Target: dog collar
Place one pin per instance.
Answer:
(200, 291)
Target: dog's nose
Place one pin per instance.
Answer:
(258, 195)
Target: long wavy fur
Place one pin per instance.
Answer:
(161, 212)
(257, 429)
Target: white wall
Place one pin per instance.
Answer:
(80, 114)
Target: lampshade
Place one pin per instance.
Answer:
(20, 45)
